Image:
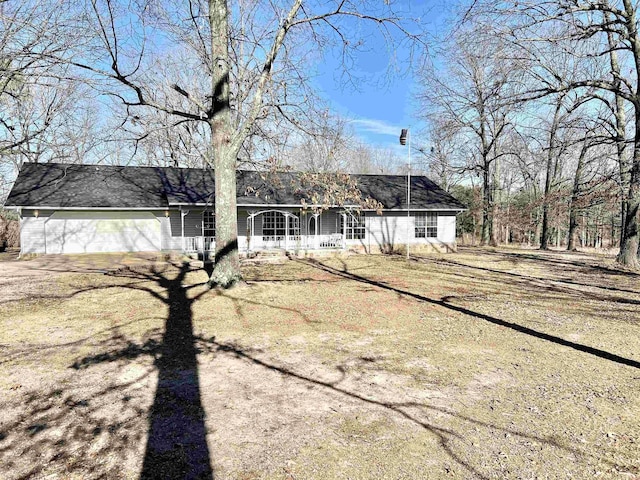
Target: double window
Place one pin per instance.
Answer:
(354, 228)
(274, 224)
(208, 223)
(426, 225)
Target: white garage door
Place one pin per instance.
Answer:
(86, 232)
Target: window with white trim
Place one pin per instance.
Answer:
(273, 224)
(355, 226)
(208, 223)
(426, 225)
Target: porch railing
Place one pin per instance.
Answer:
(196, 244)
(333, 240)
(297, 242)
(260, 242)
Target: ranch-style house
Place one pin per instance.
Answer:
(69, 208)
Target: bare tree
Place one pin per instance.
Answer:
(607, 32)
(323, 146)
(233, 67)
(37, 98)
(475, 95)
(444, 156)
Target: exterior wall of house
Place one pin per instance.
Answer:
(80, 231)
(389, 232)
(386, 232)
(172, 238)
(32, 234)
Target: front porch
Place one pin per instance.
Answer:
(265, 230)
(256, 243)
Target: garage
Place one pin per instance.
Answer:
(102, 231)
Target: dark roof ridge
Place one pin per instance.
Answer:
(77, 185)
(171, 167)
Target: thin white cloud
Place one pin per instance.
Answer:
(378, 127)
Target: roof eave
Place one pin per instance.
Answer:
(51, 207)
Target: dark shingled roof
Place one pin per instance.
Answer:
(98, 186)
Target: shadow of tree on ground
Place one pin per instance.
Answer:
(176, 445)
(176, 440)
(488, 318)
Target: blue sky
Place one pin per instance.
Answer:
(382, 104)
(379, 106)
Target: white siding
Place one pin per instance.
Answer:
(389, 230)
(447, 227)
(32, 238)
(165, 231)
(386, 231)
(102, 231)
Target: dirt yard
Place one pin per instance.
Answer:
(481, 364)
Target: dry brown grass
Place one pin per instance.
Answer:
(480, 364)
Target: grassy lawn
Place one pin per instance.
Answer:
(480, 364)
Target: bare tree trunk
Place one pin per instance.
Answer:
(538, 228)
(575, 193)
(629, 251)
(550, 178)
(621, 124)
(496, 200)
(573, 230)
(485, 237)
(226, 269)
(629, 243)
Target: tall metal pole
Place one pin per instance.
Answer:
(403, 141)
(408, 192)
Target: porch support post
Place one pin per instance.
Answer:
(202, 232)
(344, 231)
(286, 232)
(183, 214)
(250, 224)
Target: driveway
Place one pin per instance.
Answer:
(25, 278)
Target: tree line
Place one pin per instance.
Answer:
(534, 113)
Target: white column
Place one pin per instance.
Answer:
(250, 231)
(286, 232)
(182, 215)
(344, 231)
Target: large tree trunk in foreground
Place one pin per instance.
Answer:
(226, 270)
